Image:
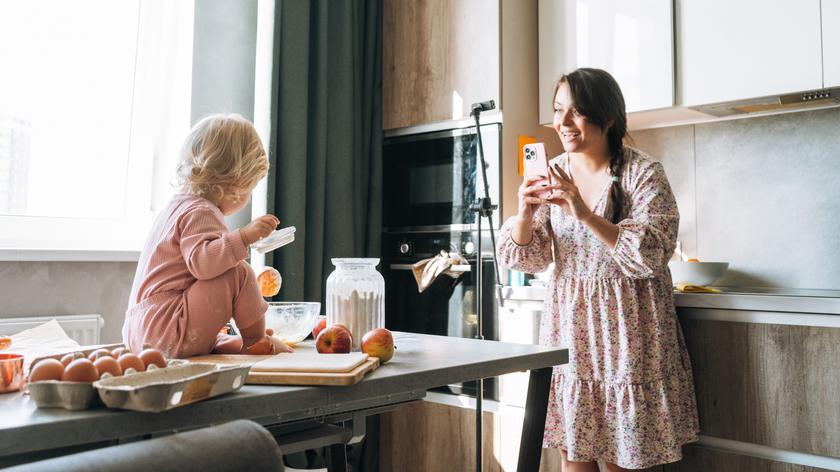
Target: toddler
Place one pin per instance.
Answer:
(192, 277)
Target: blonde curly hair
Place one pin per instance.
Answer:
(222, 156)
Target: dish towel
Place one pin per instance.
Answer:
(428, 270)
(691, 288)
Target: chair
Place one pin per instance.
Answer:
(241, 446)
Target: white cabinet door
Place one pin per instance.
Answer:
(730, 50)
(831, 42)
(631, 39)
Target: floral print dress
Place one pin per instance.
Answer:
(626, 396)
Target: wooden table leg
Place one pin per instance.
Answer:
(533, 428)
(337, 458)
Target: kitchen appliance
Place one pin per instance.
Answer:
(431, 179)
(448, 307)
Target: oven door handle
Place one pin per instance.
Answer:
(454, 268)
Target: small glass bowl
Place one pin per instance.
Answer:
(292, 321)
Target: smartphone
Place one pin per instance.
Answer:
(536, 163)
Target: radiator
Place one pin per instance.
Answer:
(84, 329)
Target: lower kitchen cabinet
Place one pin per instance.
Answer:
(700, 459)
(768, 384)
(425, 436)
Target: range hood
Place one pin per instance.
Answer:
(775, 103)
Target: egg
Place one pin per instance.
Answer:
(131, 361)
(80, 370)
(47, 369)
(98, 353)
(107, 364)
(68, 358)
(152, 356)
(116, 353)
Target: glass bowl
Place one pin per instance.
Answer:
(292, 321)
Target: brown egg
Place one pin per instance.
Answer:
(80, 370)
(68, 358)
(108, 364)
(47, 369)
(98, 353)
(131, 361)
(116, 353)
(152, 356)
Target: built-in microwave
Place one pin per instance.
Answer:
(431, 179)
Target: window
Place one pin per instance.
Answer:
(94, 102)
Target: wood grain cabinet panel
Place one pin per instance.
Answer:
(425, 436)
(774, 385)
(438, 57)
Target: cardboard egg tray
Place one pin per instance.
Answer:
(163, 389)
(157, 389)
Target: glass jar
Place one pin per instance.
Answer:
(356, 296)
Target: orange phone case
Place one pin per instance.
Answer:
(536, 163)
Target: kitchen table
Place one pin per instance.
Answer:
(421, 362)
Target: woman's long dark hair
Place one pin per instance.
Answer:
(597, 96)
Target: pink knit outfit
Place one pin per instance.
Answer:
(191, 279)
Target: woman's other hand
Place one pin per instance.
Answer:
(566, 194)
(279, 345)
(259, 228)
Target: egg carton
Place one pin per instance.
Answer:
(79, 395)
(171, 387)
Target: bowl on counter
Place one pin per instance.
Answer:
(697, 273)
(292, 321)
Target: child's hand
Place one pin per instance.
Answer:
(258, 229)
(279, 345)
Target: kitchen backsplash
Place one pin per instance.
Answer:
(761, 193)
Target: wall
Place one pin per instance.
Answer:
(223, 81)
(761, 193)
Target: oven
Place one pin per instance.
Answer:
(432, 178)
(448, 307)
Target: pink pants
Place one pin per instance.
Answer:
(184, 324)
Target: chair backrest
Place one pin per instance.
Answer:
(241, 446)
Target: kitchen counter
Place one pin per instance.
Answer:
(421, 362)
(816, 302)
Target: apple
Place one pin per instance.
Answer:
(342, 325)
(379, 343)
(319, 326)
(334, 339)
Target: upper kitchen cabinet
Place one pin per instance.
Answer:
(831, 42)
(749, 48)
(438, 57)
(632, 39)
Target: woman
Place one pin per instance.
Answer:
(626, 397)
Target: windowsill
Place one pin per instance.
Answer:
(69, 255)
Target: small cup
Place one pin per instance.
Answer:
(11, 372)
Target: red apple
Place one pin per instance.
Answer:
(334, 340)
(378, 343)
(322, 323)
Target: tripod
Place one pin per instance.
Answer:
(484, 208)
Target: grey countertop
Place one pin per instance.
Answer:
(421, 362)
(732, 298)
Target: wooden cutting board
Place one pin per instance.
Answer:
(299, 368)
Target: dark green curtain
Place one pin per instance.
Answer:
(326, 173)
(326, 155)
